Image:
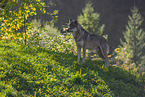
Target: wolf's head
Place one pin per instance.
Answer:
(72, 26)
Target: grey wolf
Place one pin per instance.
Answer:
(85, 40)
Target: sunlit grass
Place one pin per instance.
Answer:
(37, 71)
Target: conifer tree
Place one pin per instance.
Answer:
(90, 20)
(134, 38)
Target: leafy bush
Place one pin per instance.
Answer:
(49, 36)
(14, 18)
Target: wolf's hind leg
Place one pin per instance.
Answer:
(103, 56)
(84, 54)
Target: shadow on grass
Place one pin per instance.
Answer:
(121, 82)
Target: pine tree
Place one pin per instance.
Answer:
(134, 38)
(90, 20)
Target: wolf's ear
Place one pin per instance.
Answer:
(70, 20)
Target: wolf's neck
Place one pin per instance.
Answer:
(82, 29)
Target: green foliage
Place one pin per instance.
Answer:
(90, 20)
(49, 36)
(50, 30)
(28, 70)
(14, 17)
(134, 35)
(123, 57)
(130, 53)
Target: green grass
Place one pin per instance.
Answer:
(37, 71)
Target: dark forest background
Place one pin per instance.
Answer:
(113, 13)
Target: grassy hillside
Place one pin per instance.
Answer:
(37, 71)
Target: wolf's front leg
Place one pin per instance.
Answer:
(84, 53)
(79, 53)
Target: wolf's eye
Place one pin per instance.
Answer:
(72, 25)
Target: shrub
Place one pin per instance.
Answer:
(49, 36)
